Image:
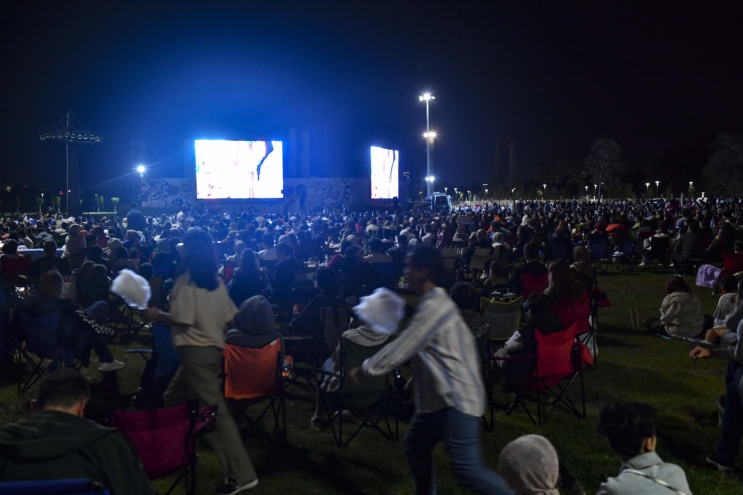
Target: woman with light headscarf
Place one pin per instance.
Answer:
(530, 466)
(73, 244)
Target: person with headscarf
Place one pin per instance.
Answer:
(530, 466)
(254, 326)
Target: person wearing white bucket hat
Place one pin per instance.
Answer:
(447, 381)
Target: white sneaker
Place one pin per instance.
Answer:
(112, 366)
(642, 264)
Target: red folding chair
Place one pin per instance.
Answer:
(16, 272)
(165, 439)
(533, 284)
(732, 263)
(252, 376)
(556, 360)
(578, 314)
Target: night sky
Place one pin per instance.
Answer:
(552, 76)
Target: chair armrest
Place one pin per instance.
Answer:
(138, 351)
(511, 358)
(205, 419)
(312, 369)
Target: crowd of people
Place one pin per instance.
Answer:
(212, 271)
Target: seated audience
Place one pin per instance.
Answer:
(681, 312)
(688, 247)
(247, 280)
(376, 256)
(10, 250)
(529, 465)
(727, 306)
(73, 243)
(531, 267)
(254, 326)
(542, 316)
(583, 270)
(570, 298)
(497, 276)
(467, 299)
(286, 268)
(309, 321)
(49, 262)
(57, 442)
(630, 428)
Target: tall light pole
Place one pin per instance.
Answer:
(430, 152)
(141, 169)
(428, 97)
(657, 188)
(595, 186)
(647, 188)
(586, 192)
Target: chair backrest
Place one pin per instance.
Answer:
(533, 284)
(479, 258)
(731, 263)
(502, 318)
(388, 274)
(15, 267)
(559, 251)
(334, 323)
(354, 355)
(450, 257)
(168, 358)
(576, 315)
(78, 486)
(598, 248)
(555, 355)
(252, 373)
(41, 334)
(304, 276)
(228, 271)
(159, 435)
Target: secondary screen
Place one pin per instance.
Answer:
(384, 173)
(239, 169)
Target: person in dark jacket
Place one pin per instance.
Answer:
(523, 342)
(58, 443)
(255, 326)
(135, 219)
(247, 280)
(309, 321)
(689, 246)
(49, 262)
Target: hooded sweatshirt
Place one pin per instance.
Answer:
(681, 313)
(51, 445)
(255, 326)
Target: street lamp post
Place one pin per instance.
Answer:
(647, 188)
(586, 192)
(544, 191)
(657, 188)
(428, 97)
(141, 169)
(595, 186)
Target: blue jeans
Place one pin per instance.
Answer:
(461, 436)
(732, 420)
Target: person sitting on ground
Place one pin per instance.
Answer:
(681, 312)
(309, 321)
(531, 267)
(729, 337)
(57, 442)
(376, 256)
(378, 316)
(529, 465)
(571, 300)
(542, 316)
(78, 330)
(247, 280)
(254, 326)
(631, 430)
(726, 307)
(49, 262)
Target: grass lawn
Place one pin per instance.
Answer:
(631, 365)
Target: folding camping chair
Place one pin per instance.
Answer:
(16, 272)
(165, 439)
(658, 250)
(598, 249)
(555, 361)
(502, 318)
(252, 376)
(732, 263)
(533, 284)
(162, 362)
(627, 258)
(78, 486)
(367, 402)
(450, 257)
(479, 259)
(40, 339)
(334, 322)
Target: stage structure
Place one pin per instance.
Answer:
(73, 132)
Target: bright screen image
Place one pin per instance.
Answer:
(239, 169)
(384, 173)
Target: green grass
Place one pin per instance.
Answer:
(631, 365)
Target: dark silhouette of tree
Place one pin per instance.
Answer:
(724, 168)
(604, 165)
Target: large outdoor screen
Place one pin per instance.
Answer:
(384, 173)
(239, 169)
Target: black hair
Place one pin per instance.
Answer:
(539, 303)
(375, 244)
(730, 284)
(326, 279)
(146, 271)
(201, 260)
(62, 388)
(10, 246)
(627, 425)
(464, 295)
(428, 257)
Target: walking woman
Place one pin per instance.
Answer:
(447, 382)
(200, 310)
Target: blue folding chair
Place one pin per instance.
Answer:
(40, 339)
(80, 486)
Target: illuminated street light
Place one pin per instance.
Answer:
(657, 188)
(141, 169)
(427, 97)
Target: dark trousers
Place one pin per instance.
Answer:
(461, 435)
(678, 261)
(732, 420)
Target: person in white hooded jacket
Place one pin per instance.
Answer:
(681, 312)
